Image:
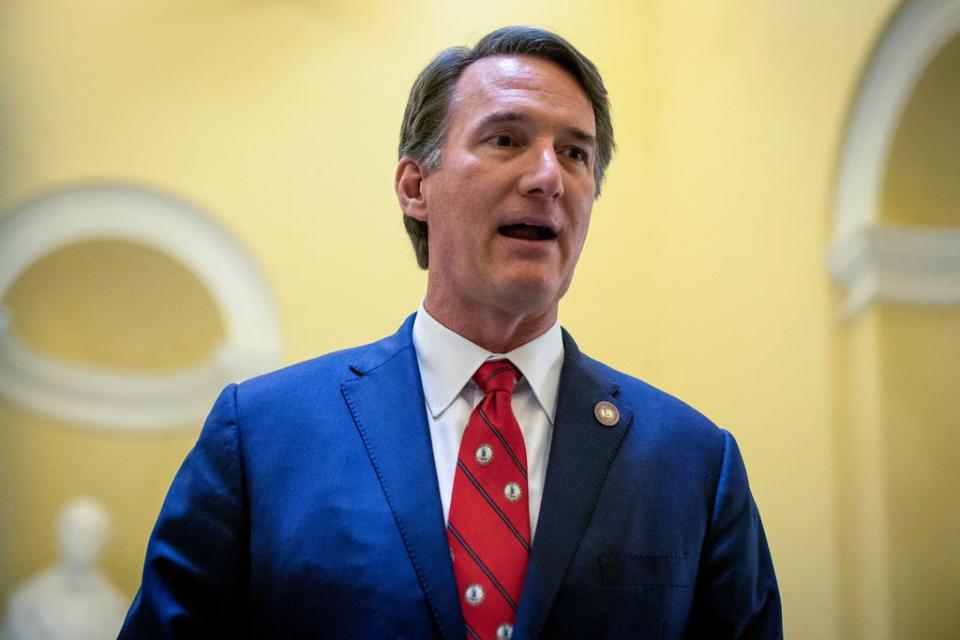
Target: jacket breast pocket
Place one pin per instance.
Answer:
(648, 570)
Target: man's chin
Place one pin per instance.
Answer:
(530, 293)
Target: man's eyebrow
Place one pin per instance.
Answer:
(501, 116)
(582, 136)
(512, 116)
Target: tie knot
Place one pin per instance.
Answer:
(496, 375)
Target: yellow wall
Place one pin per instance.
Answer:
(921, 407)
(897, 411)
(703, 273)
(861, 488)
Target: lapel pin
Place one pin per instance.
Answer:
(606, 414)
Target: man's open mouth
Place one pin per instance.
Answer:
(527, 232)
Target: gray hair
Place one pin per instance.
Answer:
(427, 116)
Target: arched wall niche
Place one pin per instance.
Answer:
(917, 264)
(124, 398)
(895, 368)
(922, 182)
(114, 304)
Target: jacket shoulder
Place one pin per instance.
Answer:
(659, 411)
(329, 367)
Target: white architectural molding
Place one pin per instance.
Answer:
(906, 265)
(915, 34)
(122, 398)
(110, 398)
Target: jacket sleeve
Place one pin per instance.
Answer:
(196, 569)
(736, 593)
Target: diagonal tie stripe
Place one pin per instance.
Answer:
(489, 512)
(483, 567)
(496, 432)
(473, 634)
(490, 501)
(493, 375)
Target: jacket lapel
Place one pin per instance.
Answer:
(581, 453)
(386, 401)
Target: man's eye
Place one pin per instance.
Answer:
(502, 140)
(577, 154)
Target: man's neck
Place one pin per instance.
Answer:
(495, 330)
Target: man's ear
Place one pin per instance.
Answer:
(408, 183)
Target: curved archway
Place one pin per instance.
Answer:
(122, 399)
(867, 260)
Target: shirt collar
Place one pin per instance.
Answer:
(448, 360)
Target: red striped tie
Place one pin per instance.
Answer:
(489, 524)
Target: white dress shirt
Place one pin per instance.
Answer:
(447, 363)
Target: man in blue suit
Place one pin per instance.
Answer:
(344, 497)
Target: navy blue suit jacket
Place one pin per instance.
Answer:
(309, 508)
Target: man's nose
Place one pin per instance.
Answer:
(544, 175)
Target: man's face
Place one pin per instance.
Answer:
(509, 207)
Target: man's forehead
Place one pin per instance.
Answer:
(523, 78)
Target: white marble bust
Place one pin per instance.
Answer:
(72, 600)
